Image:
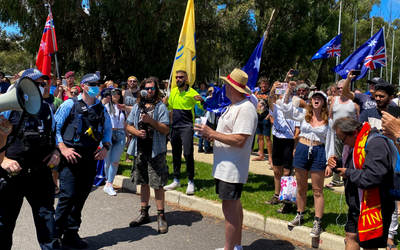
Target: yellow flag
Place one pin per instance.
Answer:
(185, 58)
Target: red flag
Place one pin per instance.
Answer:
(43, 60)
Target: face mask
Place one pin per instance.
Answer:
(41, 90)
(93, 91)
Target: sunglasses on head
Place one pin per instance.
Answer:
(148, 88)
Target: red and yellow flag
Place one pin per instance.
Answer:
(370, 224)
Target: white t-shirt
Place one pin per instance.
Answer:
(114, 119)
(231, 164)
(283, 129)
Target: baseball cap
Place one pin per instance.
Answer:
(69, 73)
(90, 78)
(34, 74)
(303, 86)
(320, 93)
(376, 80)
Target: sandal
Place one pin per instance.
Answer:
(258, 159)
(391, 246)
(333, 184)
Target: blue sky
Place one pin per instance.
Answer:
(384, 11)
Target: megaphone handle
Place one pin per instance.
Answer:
(14, 133)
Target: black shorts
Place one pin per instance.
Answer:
(282, 152)
(228, 191)
(352, 227)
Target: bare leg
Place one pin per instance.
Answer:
(317, 180)
(160, 197)
(269, 148)
(351, 241)
(260, 147)
(278, 172)
(144, 195)
(302, 187)
(233, 223)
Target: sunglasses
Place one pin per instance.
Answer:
(132, 81)
(343, 138)
(42, 84)
(148, 88)
(340, 88)
(115, 92)
(74, 93)
(179, 77)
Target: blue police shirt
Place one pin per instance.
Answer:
(63, 113)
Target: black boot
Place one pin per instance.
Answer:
(143, 218)
(72, 239)
(162, 224)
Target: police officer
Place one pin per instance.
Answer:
(82, 123)
(28, 161)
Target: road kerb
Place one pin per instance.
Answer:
(250, 219)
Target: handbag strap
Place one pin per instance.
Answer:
(291, 131)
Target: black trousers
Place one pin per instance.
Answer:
(38, 188)
(182, 136)
(76, 181)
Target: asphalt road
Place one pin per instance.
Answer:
(106, 226)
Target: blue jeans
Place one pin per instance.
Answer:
(201, 140)
(114, 155)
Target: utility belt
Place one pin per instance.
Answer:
(37, 140)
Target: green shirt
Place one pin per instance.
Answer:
(182, 106)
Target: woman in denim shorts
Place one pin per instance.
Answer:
(315, 144)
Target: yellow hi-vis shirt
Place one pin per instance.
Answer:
(182, 106)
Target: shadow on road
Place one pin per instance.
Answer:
(263, 244)
(132, 234)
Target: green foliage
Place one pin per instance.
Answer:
(136, 37)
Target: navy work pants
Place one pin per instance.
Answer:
(38, 188)
(76, 181)
(182, 136)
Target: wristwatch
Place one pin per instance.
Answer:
(398, 140)
(107, 147)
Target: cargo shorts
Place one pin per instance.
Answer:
(151, 171)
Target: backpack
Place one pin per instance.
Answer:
(395, 162)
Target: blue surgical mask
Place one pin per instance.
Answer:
(93, 91)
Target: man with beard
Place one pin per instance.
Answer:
(182, 101)
(62, 91)
(302, 91)
(130, 93)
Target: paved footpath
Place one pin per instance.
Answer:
(256, 167)
(106, 226)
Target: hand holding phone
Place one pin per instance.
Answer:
(295, 72)
(281, 88)
(356, 72)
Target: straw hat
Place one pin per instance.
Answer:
(238, 79)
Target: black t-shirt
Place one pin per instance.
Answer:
(262, 107)
(145, 146)
(49, 100)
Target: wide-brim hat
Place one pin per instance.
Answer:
(238, 79)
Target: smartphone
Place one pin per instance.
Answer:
(64, 82)
(356, 72)
(394, 111)
(282, 89)
(295, 72)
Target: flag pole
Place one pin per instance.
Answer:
(54, 44)
(384, 39)
(170, 76)
(372, 33)
(355, 37)
(391, 67)
(337, 58)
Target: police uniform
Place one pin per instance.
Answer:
(77, 124)
(35, 140)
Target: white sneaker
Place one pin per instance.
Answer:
(172, 186)
(190, 188)
(236, 248)
(105, 189)
(111, 191)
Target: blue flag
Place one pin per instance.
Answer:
(252, 66)
(371, 55)
(219, 101)
(331, 49)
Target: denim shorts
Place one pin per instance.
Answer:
(264, 128)
(316, 161)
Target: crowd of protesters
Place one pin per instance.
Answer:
(308, 133)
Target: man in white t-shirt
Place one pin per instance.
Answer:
(232, 148)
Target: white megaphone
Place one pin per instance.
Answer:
(25, 96)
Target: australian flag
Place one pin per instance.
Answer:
(219, 101)
(331, 49)
(371, 55)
